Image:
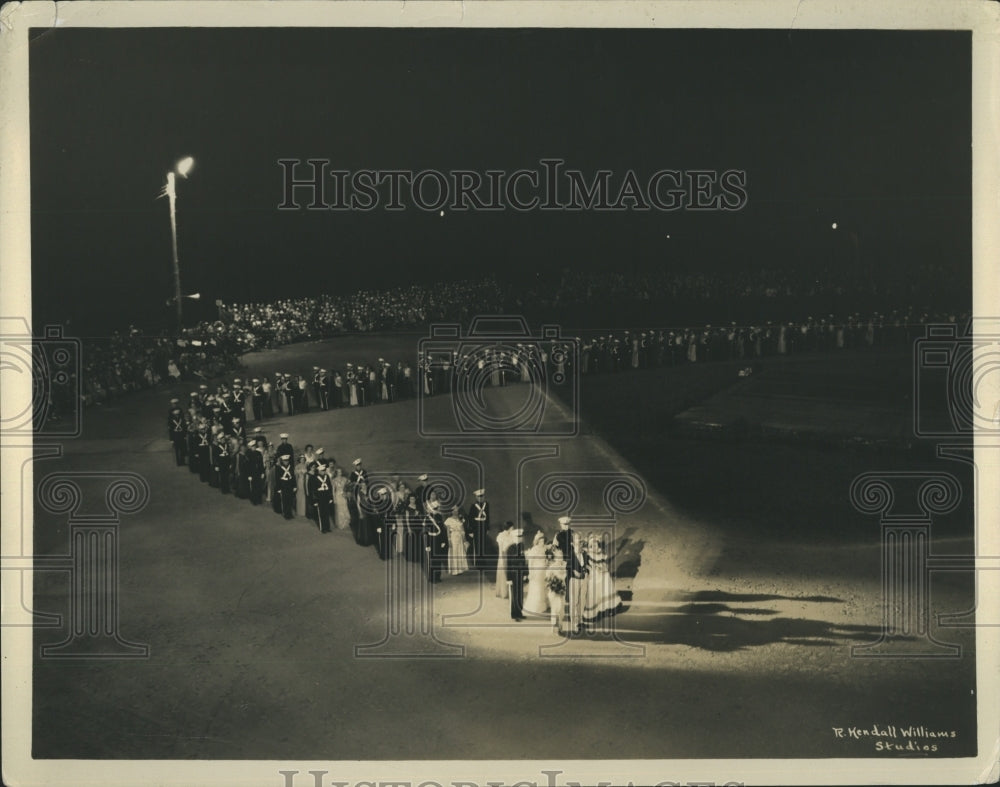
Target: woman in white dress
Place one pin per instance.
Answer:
(536, 600)
(458, 561)
(601, 597)
(504, 539)
(555, 585)
(341, 513)
(300, 486)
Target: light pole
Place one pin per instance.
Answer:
(183, 168)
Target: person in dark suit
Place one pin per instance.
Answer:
(517, 573)
(177, 431)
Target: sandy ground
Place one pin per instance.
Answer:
(268, 640)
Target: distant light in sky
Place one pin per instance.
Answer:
(184, 166)
(834, 225)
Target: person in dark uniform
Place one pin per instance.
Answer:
(358, 474)
(435, 543)
(284, 499)
(214, 471)
(255, 471)
(322, 495)
(383, 521)
(242, 472)
(225, 402)
(564, 541)
(290, 393)
(284, 447)
(239, 400)
(517, 573)
(204, 460)
(223, 462)
(177, 431)
(257, 392)
(192, 443)
(420, 490)
(478, 526)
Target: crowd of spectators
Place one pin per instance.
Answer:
(134, 360)
(263, 325)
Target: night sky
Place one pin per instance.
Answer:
(868, 129)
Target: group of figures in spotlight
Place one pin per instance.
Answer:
(568, 578)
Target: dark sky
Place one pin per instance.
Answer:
(869, 129)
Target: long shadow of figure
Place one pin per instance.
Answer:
(721, 627)
(718, 620)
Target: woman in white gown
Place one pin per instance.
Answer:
(458, 561)
(600, 594)
(300, 486)
(536, 598)
(341, 513)
(555, 585)
(504, 539)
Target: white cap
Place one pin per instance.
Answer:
(422, 477)
(356, 462)
(319, 451)
(283, 435)
(479, 492)
(256, 430)
(564, 520)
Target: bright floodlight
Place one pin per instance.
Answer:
(184, 166)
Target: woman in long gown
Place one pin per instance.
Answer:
(341, 513)
(504, 539)
(555, 585)
(300, 486)
(365, 533)
(536, 598)
(601, 597)
(458, 560)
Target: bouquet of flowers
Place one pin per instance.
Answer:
(556, 584)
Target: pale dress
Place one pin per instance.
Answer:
(458, 561)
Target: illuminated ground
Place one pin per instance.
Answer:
(747, 574)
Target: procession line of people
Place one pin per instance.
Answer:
(568, 575)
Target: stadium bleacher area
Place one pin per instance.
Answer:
(698, 317)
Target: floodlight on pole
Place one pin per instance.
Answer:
(183, 168)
